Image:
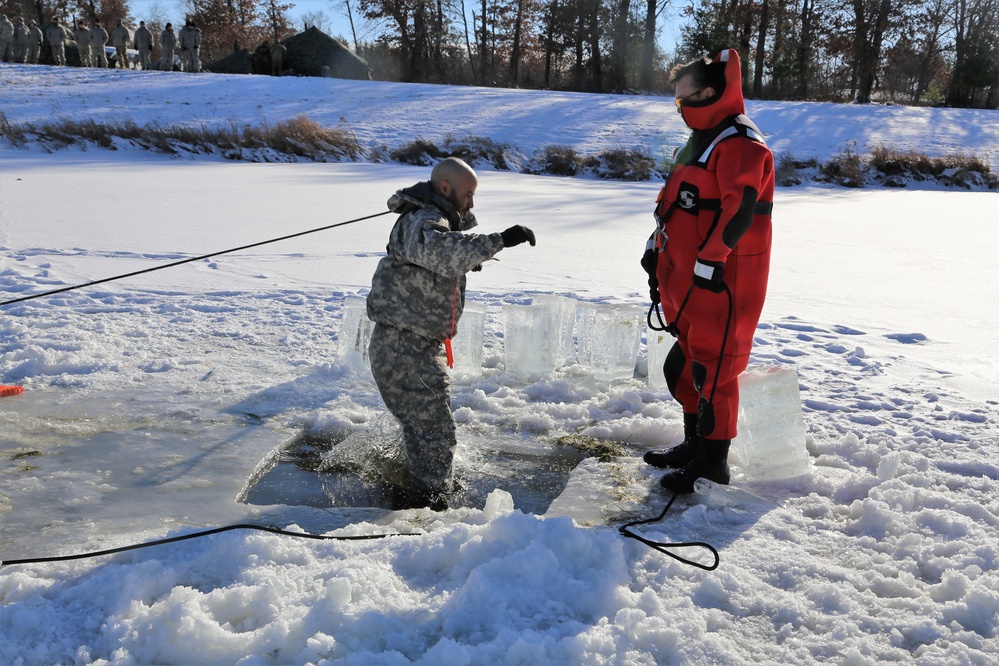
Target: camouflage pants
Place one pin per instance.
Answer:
(411, 375)
(98, 58)
(192, 63)
(166, 60)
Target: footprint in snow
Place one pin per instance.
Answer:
(907, 338)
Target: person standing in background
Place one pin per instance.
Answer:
(56, 35)
(168, 42)
(190, 45)
(119, 39)
(143, 42)
(21, 38)
(98, 39)
(81, 34)
(35, 39)
(6, 39)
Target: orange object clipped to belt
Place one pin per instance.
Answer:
(10, 390)
(449, 352)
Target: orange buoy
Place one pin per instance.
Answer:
(10, 390)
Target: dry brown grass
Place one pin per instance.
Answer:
(556, 160)
(622, 164)
(302, 138)
(846, 168)
(789, 171)
(15, 133)
(894, 167)
(418, 152)
(299, 137)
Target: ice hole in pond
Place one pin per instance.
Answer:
(310, 471)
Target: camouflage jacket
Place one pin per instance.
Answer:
(420, 284)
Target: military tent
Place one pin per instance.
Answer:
(309, 52)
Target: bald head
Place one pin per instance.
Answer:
(454, 180)
(450, 169)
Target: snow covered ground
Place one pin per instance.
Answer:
(151, 402)
(526, 119)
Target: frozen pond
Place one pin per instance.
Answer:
(82, 468)
(90, 470)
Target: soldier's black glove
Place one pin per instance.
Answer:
(649, 261)
(708, 275)
(516, 235)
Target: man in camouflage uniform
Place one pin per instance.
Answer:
(81, 34)
(168, 42)
(119, 39)
(417, 296)
(190, 44)
(56, 34)
(98, 38)
(279, 54)
(35, 39)
(6, 39)
(143, 42)
(21, 40)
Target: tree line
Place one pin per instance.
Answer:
(926, 52)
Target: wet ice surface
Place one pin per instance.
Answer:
(533, 472)
(88, 471)
(89, 467)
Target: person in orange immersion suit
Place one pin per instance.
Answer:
(708, 263)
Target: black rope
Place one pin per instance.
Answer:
(721, 350)
(663, 547)
(653, 326)
(189, 260)
(672, 329)
(195, 535)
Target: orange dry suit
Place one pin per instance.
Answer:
(713, 218)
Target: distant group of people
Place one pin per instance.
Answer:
(267, 59)
(22, 42)
(19, 42)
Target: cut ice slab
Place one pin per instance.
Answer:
(771, 440)
(602, 493)
(616, 491)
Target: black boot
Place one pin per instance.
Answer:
(710, 462)
(682, 453)
(400, 499)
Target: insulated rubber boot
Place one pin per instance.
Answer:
(682, 453)
(400, 499)
(710, 462)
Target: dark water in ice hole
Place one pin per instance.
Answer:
(534, 478)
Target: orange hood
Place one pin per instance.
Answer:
(729, 102)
